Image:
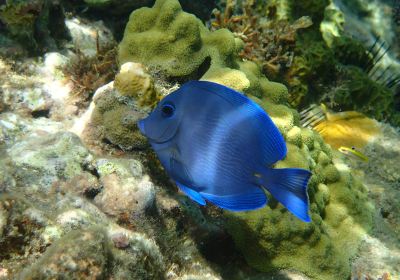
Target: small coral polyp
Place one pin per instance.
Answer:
(270, 238)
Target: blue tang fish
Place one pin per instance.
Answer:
(219, 146)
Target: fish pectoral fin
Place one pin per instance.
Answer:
(252, 199)
(192, 194)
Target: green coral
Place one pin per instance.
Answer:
(270, 238)
(178, 43)
(173, 49)
(164, 37)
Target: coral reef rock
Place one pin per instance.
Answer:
(88, 37)
(83, 196)
(37, 25)
(123, 193)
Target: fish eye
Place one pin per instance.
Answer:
(167, 110)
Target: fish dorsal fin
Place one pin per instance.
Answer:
(191, 193)
(226, 93)
(274, 147)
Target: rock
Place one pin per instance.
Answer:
(35, 87)
(140, 258)
(14, 128)
(88, 36)
(41, 161)
(38, 25)
(123, 193)
(81, 254)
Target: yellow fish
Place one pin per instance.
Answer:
(342, 129)
(353, 153)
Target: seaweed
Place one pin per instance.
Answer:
(89, 73)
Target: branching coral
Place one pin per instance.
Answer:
(268, 42)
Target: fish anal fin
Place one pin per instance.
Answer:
(192, 194)
(253, 199)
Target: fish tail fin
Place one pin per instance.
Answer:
(289, 187)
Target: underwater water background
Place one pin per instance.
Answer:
(84, 195)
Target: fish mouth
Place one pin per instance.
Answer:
(141, 127)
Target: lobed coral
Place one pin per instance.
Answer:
(270, 238)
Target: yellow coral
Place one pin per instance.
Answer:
(229, 77)
(133, 81)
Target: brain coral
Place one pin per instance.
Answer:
(270, 238)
